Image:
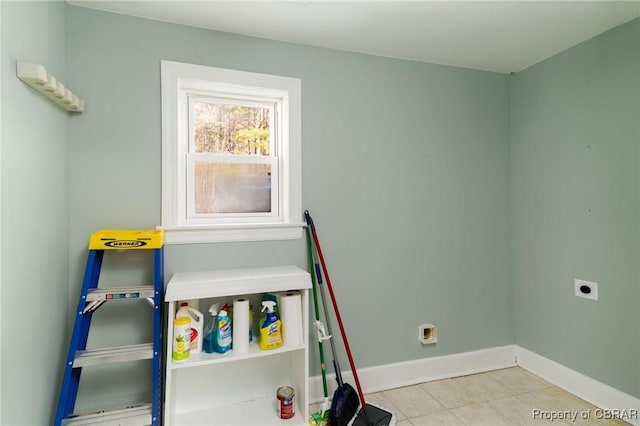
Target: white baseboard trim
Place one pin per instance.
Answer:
(591, 390)
(391, 376)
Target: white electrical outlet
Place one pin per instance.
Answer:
(586, 289)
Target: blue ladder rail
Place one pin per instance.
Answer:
(84, 312)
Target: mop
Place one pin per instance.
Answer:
(368, 414)
(345, 401)
(320, 418)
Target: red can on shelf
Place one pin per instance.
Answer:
(286, 406)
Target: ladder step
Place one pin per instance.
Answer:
(111, 355)
(131, 416)
(123, 239)
(116, 293)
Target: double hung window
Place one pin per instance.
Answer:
(231, 155)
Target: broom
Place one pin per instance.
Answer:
(368, 414)
(345, 402)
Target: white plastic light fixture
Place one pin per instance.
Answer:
(36, 76)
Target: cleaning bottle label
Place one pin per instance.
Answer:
(197, 324)
(223, 332)
(270, 327)
(181, 336)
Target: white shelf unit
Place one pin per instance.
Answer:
(229, 389)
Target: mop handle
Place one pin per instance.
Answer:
(335, 307)
(325, 388)
(336, 364)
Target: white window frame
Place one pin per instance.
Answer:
(181, 80)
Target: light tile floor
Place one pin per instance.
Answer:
(501, 397)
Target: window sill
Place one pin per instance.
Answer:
(232, 233)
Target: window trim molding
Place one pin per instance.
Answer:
(193, 234)
(178, 78)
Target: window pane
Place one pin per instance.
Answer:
(232, 188)
(231, 129)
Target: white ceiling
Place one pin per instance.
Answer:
(501, 36)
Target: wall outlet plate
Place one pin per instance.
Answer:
(586, 289)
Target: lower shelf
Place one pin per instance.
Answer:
(250, 413)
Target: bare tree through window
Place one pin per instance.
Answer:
(238, 130)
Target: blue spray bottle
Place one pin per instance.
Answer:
(209, 339)
(222, 341)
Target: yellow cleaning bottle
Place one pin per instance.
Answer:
(270, 327)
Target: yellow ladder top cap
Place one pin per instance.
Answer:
(126, 239)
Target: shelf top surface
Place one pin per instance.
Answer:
(197, 285)
(203, 358)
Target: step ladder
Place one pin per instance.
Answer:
(91, 298)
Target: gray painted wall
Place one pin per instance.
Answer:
(405, 170)
(35, 216)
(574, 190)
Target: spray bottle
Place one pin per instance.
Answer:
(270, 327)
(208, 343)
(222, 341)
